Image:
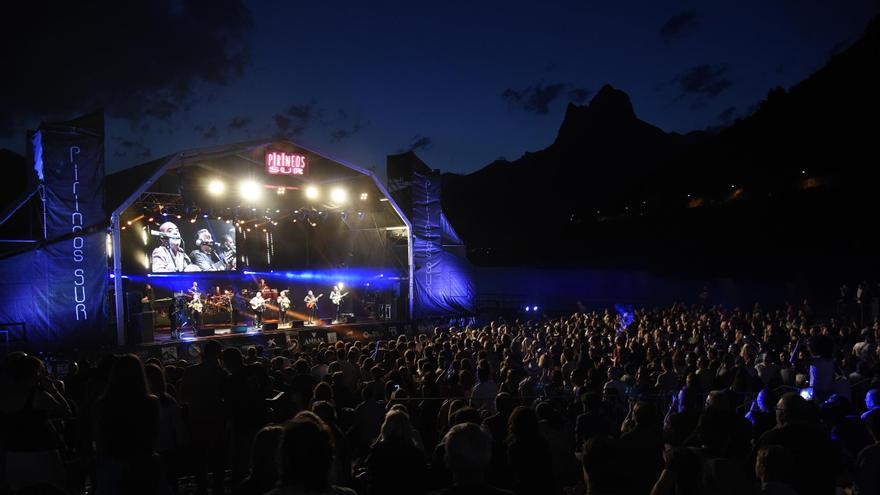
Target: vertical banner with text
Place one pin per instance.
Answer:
(69, 160)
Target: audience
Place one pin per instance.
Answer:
(675, 400)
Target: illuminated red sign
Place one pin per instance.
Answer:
(280, 163)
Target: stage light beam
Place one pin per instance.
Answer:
(312, 192)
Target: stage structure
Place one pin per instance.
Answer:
(276, 216)
(268, 216)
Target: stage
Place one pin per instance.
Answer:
(188, 347)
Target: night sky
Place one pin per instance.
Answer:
(462, 83)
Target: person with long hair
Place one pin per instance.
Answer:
(395, 464)
(126, 427)
(528, 456)
(306, 458)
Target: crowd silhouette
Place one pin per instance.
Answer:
(682, 400)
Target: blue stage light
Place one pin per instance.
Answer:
(534, 308)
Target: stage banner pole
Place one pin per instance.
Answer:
(69, 160)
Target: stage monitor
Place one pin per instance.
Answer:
(201, 246)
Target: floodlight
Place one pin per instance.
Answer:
(250, 190)
(312, 192)
(364, 196)
(216, 187)
(339, 195)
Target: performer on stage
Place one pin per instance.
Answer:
(258, 304)
(336, 298)
(312, 305)
(283, 306)
(194, 291)
(147, 299)
(169, 256)
(195, 307)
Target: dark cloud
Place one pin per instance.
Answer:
(134, 148)
(135, 59)
(678, 25)
(702, 80)
(347, 130)
(211, 133)
(533, 99)
(579, 95)
(238, 123)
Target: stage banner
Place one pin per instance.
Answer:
(69, 161)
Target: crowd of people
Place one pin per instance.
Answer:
(673, 400)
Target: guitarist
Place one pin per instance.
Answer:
(336, 297)
(195, 306)
(258, 304)
(312, 305)
(283, 306)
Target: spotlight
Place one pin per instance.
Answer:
(205, 215)
(250, 190)
(129, 222)
(534, 308)
(179, 217)
(340, 285)
(192, 220)
(312, 192)
(281, 190)
(527, 309)
(339, 195)
(150, 219)
(364, 196)
(216, 187)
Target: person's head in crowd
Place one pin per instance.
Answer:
(211, 352)
(718, 400)
(127, 379)
(872, 399)
(774, 464)
(396, 428)
(645, 415)
(523, 424)
(505, 403)
(792, 408)
(264, 454)
(306, 454)
(468, 451)
(465, 414)
(688, 400)
(156, 380)
(325, 411)
(764, 400)
(323, 391)
(22, 371)
(232, 359)
(600, 464)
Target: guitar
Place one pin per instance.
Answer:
(257, 303)
(336, 298)
(311, 303)
(283, 303)
(195, 304)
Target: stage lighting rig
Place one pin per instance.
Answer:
(216, 187)
(312, 192)
(339, 195)
(250, 190)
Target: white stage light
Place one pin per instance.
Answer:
(527, 309)
(312, 192)
(364, 196)
(339, 195)
(216, 187)
(250, 190)
(534, 308)
(340, 285)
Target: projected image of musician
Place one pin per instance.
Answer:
(169, 255)
(206, 257)
(312, 305)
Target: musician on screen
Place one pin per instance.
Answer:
(312, 305)
(169, 256)
(258, 304)
(206, 257)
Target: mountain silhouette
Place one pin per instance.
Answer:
(790, 183)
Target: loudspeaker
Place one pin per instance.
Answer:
(297, 323)
(239, 329)
(147, 324)
(205, 332)
(270, 326)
